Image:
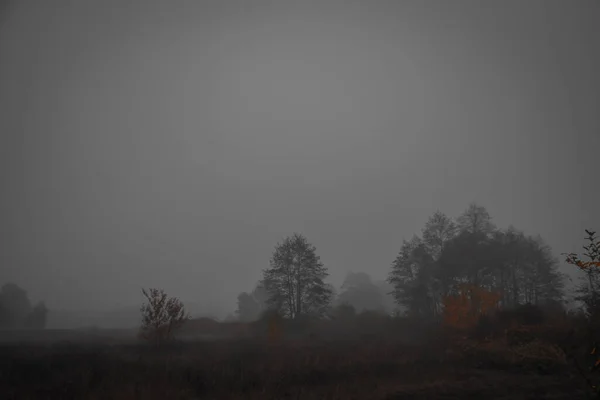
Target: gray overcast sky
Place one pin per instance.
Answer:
(173, 143)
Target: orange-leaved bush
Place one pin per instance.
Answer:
(463, 309)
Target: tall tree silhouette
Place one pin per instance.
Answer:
(476, 218)
(294, 280)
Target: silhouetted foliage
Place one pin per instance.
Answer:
(161, 316)
(251, 305)
(261, 296)
(518, 267)
(248, 308)
(475, 219)
(295, 280)
(413, 277)
(439, 230)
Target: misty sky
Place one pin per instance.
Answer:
(174, 143)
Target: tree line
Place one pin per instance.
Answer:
(447, 256)
(449, 259)
(358, 291)
(472, 251)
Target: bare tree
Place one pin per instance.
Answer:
(295, 280)
(161, 316)
(438, 230)
(413, 278)
(476, 218)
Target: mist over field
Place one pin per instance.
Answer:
(316, 199)
(173, 144)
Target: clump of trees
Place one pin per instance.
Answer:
(455, 270)
(161, 316)
(17, 312)
(472, 251)
(358, 292)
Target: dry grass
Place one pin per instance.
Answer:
(388, 363)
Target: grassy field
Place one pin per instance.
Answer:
(373, 366)
(79, 336)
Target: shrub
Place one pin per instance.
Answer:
(161, 316)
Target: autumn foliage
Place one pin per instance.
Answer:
(592, 253)
(462, 310)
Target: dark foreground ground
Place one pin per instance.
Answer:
(304, 369)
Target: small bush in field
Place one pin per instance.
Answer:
(161, 316)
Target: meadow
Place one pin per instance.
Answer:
(370, 358)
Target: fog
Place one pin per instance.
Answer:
(173, 144)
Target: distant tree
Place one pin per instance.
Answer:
(413, 277)
(37, 318)
(417, 276)
(439, 230)
(359, 291)
(294, 280)
(356, 280)
(248, 308)
(16, 305)
(542, 283)
(521, 268)
(475, 219)
(524, 269)
(161, 316)
(261, 296)
(465, 259)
